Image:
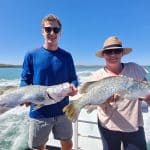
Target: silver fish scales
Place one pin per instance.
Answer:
(97, 92)
(37, 94)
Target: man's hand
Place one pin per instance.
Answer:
(74, 90)
(26, 104)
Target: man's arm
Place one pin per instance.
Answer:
(26, 75)
(27, 71)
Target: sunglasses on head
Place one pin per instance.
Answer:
(113, 51)
(50, 29)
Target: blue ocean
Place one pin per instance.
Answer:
(14, 123)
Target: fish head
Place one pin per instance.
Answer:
(58, 93)
(48, 98)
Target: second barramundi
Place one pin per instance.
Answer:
(97, 92)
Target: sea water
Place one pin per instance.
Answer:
(14, 123)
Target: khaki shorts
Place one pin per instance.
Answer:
(40, 129)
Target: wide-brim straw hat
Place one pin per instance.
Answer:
(112, 42)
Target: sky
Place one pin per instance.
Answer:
(85, 26)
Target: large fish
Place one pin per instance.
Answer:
(97, 92)
(39, 95)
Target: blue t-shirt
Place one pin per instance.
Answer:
(45, 67)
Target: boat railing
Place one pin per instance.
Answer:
(77, 134)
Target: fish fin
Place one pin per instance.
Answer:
(72, 110)
(90, 108)
(84, 88)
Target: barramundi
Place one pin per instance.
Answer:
(36, 94)
(97, 92)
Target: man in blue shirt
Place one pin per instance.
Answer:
(49, 65)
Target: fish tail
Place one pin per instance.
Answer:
(72, 110)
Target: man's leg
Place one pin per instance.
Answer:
(111, 139)
(39, 131)
(135, 140)
(63, 131)
(66, 144)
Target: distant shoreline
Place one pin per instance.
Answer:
(78, 66)
(18, 66)
(9, 66)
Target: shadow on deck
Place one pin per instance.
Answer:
(48, 148)
(53, 148)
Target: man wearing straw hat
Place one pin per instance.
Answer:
(123, 121)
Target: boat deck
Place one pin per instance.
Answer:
(48, 148)
(52, 148)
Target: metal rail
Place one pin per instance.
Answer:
(77, 134)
